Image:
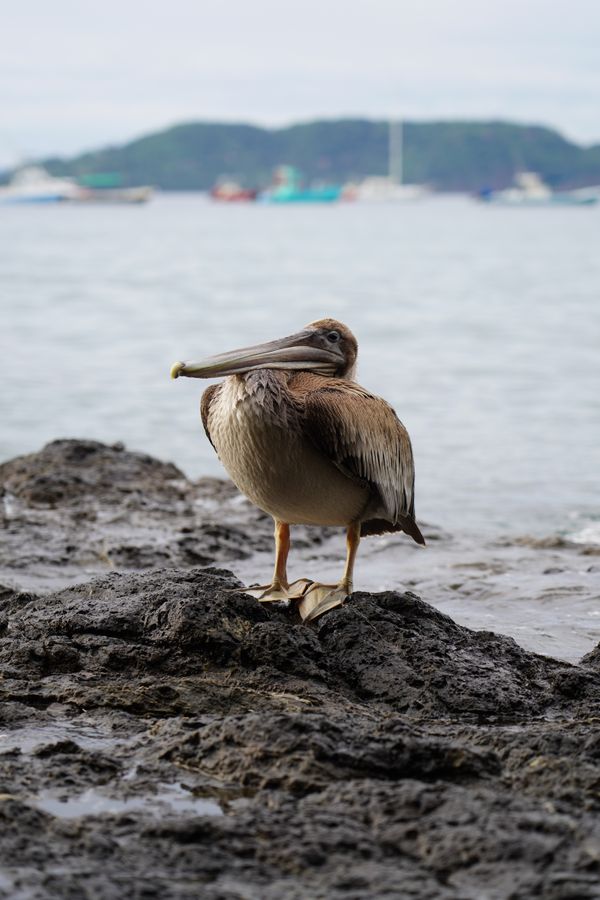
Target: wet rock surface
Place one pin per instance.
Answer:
(81, 508)
(164, 735)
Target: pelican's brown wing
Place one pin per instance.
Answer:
(207, 398)
(363, 436)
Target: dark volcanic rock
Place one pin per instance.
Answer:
(164, 735)
(390, 649)
(67, 472)
(81, 508)
(592, 658)
(229, 748)
(305, 752)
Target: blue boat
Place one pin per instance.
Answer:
(287, 188)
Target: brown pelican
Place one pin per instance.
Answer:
(305, 443)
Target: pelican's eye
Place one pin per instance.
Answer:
(333, 337)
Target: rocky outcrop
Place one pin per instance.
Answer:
(164, 735)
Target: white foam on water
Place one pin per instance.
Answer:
(589, 534)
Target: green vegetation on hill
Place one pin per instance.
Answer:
(450, 156)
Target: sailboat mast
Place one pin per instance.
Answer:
(395, 148)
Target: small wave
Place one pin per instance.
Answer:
(589, 534)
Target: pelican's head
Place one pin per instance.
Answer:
(326, 347)
(334, 335)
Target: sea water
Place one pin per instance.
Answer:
(480, 325)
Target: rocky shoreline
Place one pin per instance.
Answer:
(164, 735)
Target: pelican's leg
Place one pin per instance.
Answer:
(280, 589)
(319, 598)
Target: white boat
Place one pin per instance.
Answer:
(530, 190)
(382, 189)
(389, 188)
(33, 184)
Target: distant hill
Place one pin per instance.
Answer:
(450, 156)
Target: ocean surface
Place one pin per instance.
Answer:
(480, 325)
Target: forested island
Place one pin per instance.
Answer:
(448, 156)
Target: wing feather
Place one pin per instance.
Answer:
(365, 439)
(207, 398)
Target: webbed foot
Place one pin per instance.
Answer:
(320, 598)
(269, 593)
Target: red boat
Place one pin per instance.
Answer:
(232, 192)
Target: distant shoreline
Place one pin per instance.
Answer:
(447, 155)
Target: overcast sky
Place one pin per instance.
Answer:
(77, 75)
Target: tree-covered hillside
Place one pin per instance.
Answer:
(450, 156)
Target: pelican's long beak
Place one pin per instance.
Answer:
(294, 352)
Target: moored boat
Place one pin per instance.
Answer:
(232, 192)
(116, 195)
(530, 190)
(382, 189)
(107, 187)
(389, 188)
(33, 184)
(287, 188)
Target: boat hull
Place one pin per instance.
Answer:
(546, 201)
(42, 198)
(326, 195)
